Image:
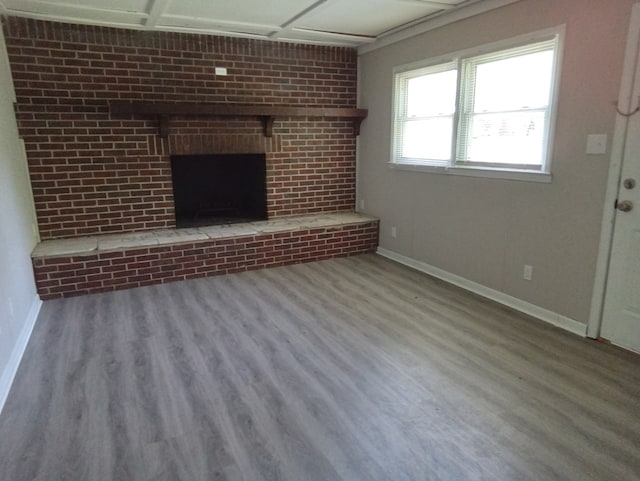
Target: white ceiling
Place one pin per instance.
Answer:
(328, 22)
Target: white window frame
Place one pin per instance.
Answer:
(452, 166)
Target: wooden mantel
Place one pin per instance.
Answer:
(163, 111)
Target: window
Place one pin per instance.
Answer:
(489, 111)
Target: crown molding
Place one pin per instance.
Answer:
(474, 8)
(156, 10)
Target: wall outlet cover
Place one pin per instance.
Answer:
(597, 144)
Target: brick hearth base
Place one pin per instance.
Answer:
(85, 265)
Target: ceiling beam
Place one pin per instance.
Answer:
(428, 3)
(336, 35)
(181, 21)
(211, 31)
(155, 12)
(290, 25)
(304, 13)
(88, 13)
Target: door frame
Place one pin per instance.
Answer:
(625, 104)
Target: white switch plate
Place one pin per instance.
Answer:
(597, 144)
(221, 71)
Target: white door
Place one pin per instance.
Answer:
(621, 315)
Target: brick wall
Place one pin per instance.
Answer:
(107, 271)
(93, 172)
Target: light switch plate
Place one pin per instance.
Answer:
(597, 144)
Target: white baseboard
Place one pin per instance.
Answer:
(9, 373)
(532, 310)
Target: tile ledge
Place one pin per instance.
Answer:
(130, 240)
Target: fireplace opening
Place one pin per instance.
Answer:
(215, 189)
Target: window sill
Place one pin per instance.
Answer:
(519, 175)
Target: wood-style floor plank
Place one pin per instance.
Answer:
(342, 370)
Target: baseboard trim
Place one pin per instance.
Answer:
(9, 373)
(532, 310)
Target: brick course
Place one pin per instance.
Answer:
(107, 271)
(94, 173)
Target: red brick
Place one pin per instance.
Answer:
(315, 157)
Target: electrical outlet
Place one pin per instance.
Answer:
(222, 71)
(394, 232)
(527, 272)
(361, 204)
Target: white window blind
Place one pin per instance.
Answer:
(424, 124)
(490, 109)
(505, 100)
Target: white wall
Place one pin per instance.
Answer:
(19, 302)
(485, 230)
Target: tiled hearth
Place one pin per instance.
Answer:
(82, 265)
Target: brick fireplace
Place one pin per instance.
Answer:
(95, 172)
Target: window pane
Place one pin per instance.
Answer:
(432, 94)
(514, 83)
(495, 111)
(516, 138)
(428, 138)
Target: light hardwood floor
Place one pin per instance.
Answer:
(347, 369)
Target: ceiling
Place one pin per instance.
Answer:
(328, 22)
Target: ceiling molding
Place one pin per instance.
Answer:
(180, 21)
(325, 42)
(76, 20)
(65, 10)
(473, 8)
(155, 12)
(289, 25)
(426, 3)
(336, 35)
(210, 31)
